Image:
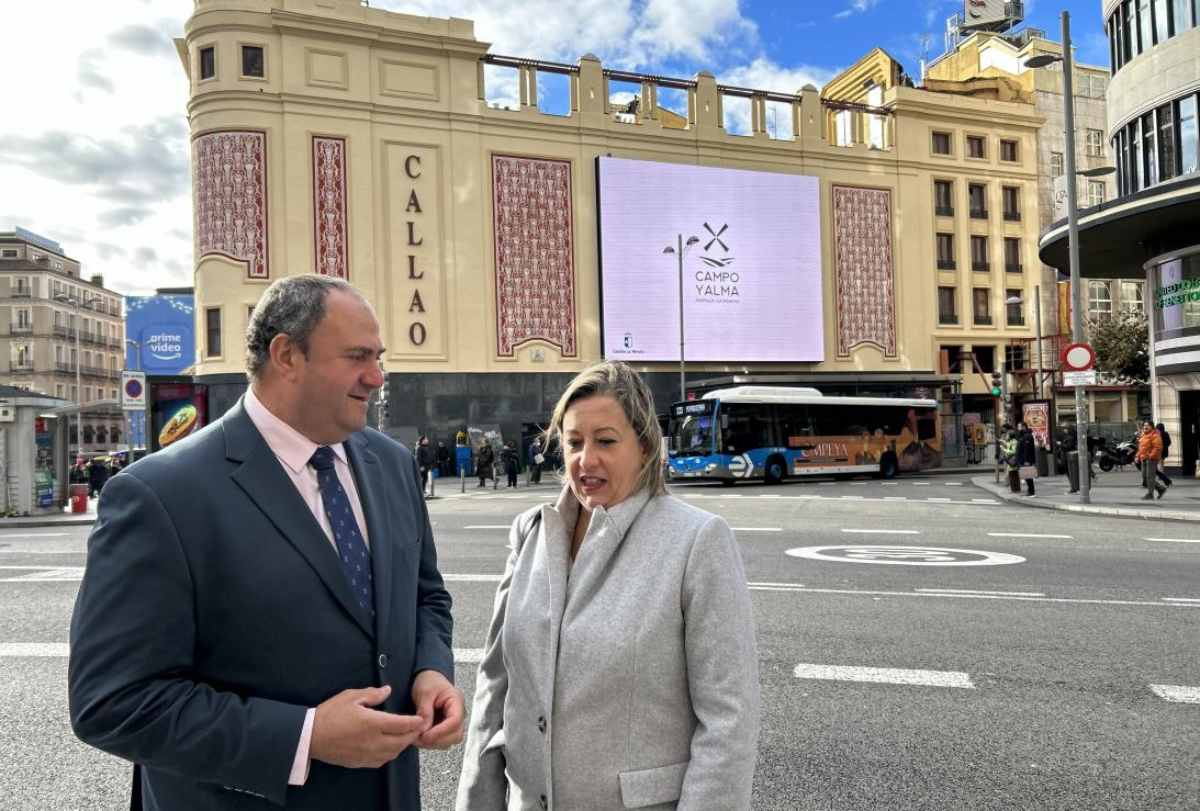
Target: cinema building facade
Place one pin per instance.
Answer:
(864, 240)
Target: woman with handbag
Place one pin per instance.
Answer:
(1026, 457)
(620, 668)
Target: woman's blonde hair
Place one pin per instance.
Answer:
(623, 384)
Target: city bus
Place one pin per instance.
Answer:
(773, 433)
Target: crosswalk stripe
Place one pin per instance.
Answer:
(885, 675)
(62, 649)
(1177, 693)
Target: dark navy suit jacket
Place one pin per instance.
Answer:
(214, 611)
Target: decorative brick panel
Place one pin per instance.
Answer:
(331, 225)
(534, 244)
(866, 293)
(231, 198)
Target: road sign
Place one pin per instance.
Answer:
(905, 555)
(1078, 358)
(1087, 378)
(133, 391)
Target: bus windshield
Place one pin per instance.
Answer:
(692, 427)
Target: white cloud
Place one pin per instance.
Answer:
(764, 74)
(856, 7)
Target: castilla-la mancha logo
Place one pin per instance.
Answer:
(717, 282)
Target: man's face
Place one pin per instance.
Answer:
(336, 380)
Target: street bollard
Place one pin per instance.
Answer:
(1073, 470)
(432, 485)
(495, 478)
(462, 481)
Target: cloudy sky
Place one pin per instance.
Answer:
(94, 137)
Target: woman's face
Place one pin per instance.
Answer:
(601, 452)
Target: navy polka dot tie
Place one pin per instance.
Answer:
(351, 548)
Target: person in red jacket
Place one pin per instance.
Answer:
(1149, 454)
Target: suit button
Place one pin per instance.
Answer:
(383, 661)
(542, 725)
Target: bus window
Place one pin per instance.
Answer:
(795, 427)
(695, 435)
(749, 427)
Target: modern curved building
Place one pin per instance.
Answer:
(1152, 227)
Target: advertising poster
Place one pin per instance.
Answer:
(751, 275)
(163, 329)
(1036, 416)
(176, 410)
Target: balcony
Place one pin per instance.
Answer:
(18, 367)
(1013, 267)
(948, 319)
(20, 329)
(21, 292)
(946, 264)
(944, 211)
(1012, 216)
(979, 214)
(62, 366)
(981, 267)
(1019, 321)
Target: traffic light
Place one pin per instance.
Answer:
(997, 384)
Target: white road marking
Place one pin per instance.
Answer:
(1195, 600)
(62, 649)
(1173, 540)
(939, 500)
(826, 484)
(853, 498)
(895, 498)
(1177, 693)
(881, 531)
(36, 552)
(885, 675)
(36, 535)
(472, 578)
(758, 529)
(1025, 535)
(975, 502)
(488, 526)
(952, 596)
(984, 501)
(954, 484)
(977, 591)
(776, 585)
(44, 574)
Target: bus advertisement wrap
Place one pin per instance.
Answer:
(751, 279)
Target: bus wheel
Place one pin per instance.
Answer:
(887, 466)
(774, 470)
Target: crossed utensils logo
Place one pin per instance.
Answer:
(716, 239)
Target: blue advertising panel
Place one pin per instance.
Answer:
(164, 327)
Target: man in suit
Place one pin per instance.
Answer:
(262, 621)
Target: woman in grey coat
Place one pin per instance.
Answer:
(620, 669)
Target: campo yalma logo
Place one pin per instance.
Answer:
(716, 240)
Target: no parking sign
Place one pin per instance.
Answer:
(133, 391)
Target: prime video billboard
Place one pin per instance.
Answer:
(751, 280)
(165, 328)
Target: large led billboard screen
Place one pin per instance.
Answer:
(751, 281)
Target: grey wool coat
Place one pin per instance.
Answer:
(628, 680)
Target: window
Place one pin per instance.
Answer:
(1014, 307)
(977, 198)
(975, 146)
(982, 300)
(1131, 298)
(1095, 143)
(1095, 192)
(87, 394)
(1099, 300)
(60, 391)
(985, 358)
(951, 359)
(979, 253)
(10, 253)
(1149, 153)
(1012, 255)
(1166, 142)
(1145, 26)
(947, 306)
(749, 427)
(943, 196)
(1161, 21)
(945, 251)
(1189, 145)
(1183, 15)
(212, 319)
(941, 143)
(1008, 151)
(1056, 164)
(208, 62)
(844, 123)
(1127, 23)
(252, 61)
(1014, 357)
(1012, 207)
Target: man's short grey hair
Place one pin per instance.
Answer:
(292, 306)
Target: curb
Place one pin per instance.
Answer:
(1087, 509)
(29, 523)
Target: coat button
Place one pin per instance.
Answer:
(542, 725)
(383, 661)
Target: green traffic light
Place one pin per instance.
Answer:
(996, 391)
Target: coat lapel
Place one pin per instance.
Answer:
(365, 465)
(605, 533)
(266, 484)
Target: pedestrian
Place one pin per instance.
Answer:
(443, 460)
(426, 459)
(79, 472)
(1026, 456)
(1166, 451)
(1149, 454)
(536, 457)
(651, 661)
(97, 476)
(1008, 454)
(508, 458)
(252, 593)
(484, 462)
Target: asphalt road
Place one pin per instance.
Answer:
(1059, 670)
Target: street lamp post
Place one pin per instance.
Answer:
(1077, 335)
(679, 252)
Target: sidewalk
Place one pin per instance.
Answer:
(66, 519)
(1116, 493)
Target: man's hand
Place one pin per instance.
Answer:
(347, 732)
(440, 704)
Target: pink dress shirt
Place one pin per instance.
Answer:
(293, 450)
